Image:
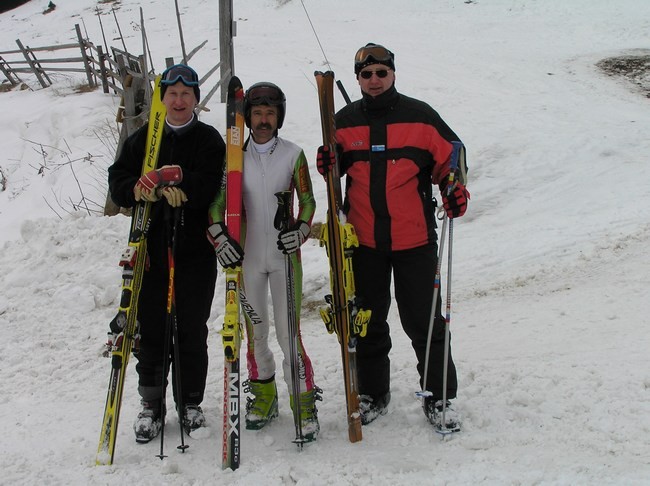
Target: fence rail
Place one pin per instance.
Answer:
(111, 69)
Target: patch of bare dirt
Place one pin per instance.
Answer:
(634, 68)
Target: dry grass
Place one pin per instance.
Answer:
(85, 88)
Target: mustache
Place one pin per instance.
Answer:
(264, 126)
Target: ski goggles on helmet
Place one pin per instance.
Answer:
(182, 73)
(265, 95)
(373, 54)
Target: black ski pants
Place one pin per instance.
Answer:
(413, 272)
(194, 286)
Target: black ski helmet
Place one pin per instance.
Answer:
(264, 93)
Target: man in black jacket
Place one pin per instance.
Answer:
(190, 171)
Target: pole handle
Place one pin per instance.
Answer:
(283, 213)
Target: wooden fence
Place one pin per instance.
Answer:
(113, 70)
(107, 68)
(25, 60)
(118, 71)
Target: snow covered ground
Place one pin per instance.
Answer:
(551, 263)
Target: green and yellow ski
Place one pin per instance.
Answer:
(133, 265)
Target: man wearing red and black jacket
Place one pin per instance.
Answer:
(392, 149)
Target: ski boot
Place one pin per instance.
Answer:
(263, 407)
(193, 418)
(149, 422)
(309, 413)
(372, 407)
(433, 411)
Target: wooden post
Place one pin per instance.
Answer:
(132, 85)
(143, 59)
(227, 30)
(32, 64)
(119, 30)
(130, 115)
(180, 33)
(9, 74)
(82, 46)
(102, 68)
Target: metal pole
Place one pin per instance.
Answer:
(282, 224)
(455, 154)
(436, 292)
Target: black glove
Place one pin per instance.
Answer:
(290, 240)
(229, 253)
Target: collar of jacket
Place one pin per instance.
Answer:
(378, 105)
(183, 130)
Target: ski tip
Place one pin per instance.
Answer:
(234, 83)
(326, 73)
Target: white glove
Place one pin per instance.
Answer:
(290, 240)
(229, 253)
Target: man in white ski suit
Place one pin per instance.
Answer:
(271, 165)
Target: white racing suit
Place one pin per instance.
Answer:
(278, 165)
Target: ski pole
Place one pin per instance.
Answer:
(436, 292)
(163, 383)
(171, 311)
(281, 223)
(452, 173)
(445, 366)
(171, 332)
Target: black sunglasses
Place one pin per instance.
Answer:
(182, 73)
(381, 73)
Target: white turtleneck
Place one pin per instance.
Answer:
(262, 148)
(179, 127)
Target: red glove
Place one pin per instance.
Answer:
(325, 160)
(168, 175)
(455, 202)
